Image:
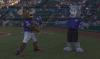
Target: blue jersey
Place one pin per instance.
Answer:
(27, 24)
(73, 23)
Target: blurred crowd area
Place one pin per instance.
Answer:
(50, 10)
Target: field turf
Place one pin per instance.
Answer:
(52, 43)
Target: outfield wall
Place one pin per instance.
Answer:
(89, 27)
(58, 24)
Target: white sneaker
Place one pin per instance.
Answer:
(79, 50)
(67, 49)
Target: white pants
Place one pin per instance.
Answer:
(28, 36)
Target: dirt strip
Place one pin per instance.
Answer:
(2, 34)
(84, 33)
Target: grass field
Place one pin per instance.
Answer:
(52, 43)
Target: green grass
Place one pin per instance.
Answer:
(52, 43)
